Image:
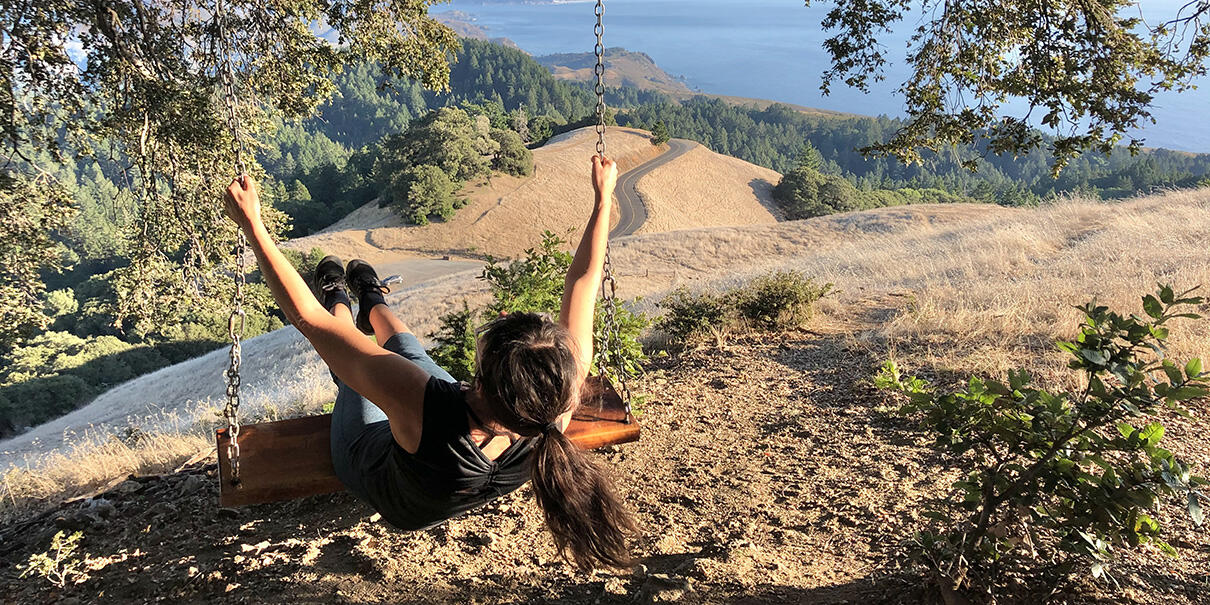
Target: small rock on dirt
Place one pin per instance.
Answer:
(128, 487)
(191, 484)
(161, 509)
(101, 507)
(616, 586)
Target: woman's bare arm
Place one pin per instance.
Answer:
(388, 380)
(584, 277)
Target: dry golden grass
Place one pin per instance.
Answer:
(968, 288)
(706, 189)
(505, 215)
(94, 462)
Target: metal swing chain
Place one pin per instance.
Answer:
(609, 284)
(238, 318)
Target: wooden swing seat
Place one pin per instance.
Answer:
(292, 458)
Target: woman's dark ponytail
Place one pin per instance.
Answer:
(526, 372)
(582, 510)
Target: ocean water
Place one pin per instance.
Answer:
(768, 49)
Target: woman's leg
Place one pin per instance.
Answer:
(357, 427)
(386, 324)
(393, 335)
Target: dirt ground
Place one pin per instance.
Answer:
(768, 472)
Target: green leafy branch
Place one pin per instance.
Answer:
(1068, 469)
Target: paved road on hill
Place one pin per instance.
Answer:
(631, 211)
(631, 216)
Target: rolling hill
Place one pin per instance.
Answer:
(500, 216)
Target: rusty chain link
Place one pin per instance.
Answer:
(599, 50)
(238, 318)
(613, 355)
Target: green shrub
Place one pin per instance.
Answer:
(424, 191)
(455, 348)
(773, 302)
(805, 193)
(694, 316)
(35, 401)
(61, 302)
(60, 565)
(630, 354)
(779, 301)
(513, 157)
(1061, 477)
(304, 263)
(533, 283)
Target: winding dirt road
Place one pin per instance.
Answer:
(631, 211)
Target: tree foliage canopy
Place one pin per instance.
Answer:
(140, 81)
(1087, 69)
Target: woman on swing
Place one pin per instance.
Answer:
(421, 448)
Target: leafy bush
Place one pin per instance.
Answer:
(779, 301)
(423, 191)
(692, 316)
(304, 263)
(513, 157)
(421, 170)
(455, 348)
(59, 565)
(1063, 477)
(772, 302)
(533, 283)
(804, 193)
(61, 302)
(33, 402)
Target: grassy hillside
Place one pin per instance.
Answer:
(622, 68)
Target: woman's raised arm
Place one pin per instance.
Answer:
(388, 380)
(584, 277)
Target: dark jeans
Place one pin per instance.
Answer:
(361, 435)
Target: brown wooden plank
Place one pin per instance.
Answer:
(279, 461)
(601, 418)
(292, 458)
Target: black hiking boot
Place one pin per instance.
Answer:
(330, 283)
(364, 283)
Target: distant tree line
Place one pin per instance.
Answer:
(774, 137)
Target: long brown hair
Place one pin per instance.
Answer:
(526, 372)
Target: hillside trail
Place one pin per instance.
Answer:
(412, 268)
(768, 472)
(670, 184)
(352, 236)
